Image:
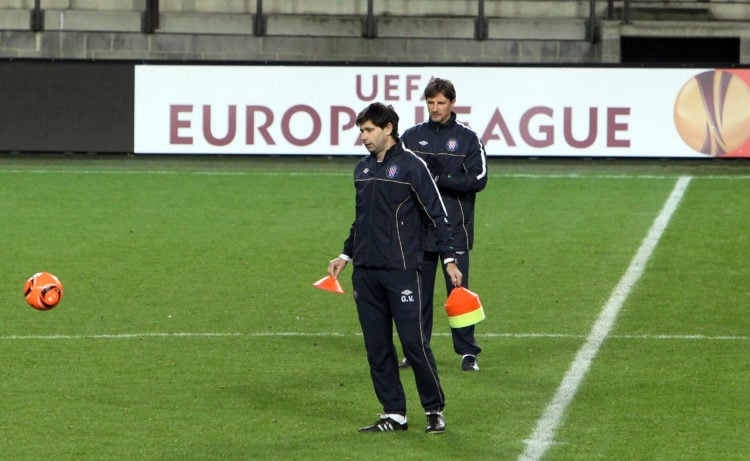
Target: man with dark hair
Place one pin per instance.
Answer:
(458, 164)
(396, 199)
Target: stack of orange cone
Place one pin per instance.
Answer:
(329, 283)
(463, 308)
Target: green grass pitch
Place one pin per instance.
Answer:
(189, 328)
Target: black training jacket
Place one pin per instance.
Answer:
(395, 200)
(458, 162)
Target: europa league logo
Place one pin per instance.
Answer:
(712, 112)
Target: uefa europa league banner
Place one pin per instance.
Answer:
(539, 111)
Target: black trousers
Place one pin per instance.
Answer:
(463, 338)
(385, 298)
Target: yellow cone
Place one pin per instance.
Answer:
(464, 308)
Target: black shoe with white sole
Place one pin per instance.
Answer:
(469, 363)
(385, 424)
(435, 422)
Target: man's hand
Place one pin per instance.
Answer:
(335, 266)
(454, 273)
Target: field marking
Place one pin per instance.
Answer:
(544, 432)
(146, 172)
(334, 334)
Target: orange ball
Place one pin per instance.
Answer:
(43, 291)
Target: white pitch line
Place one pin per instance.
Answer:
(168, 335)
(335, 334)
(105, 171)
(542, 437)
(147, 172)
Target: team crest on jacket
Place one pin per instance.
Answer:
(452, 145)
(392, 171)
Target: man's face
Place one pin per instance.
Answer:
(440, 108)
(373, 137)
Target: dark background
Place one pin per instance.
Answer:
(76, 106)
(681, 51)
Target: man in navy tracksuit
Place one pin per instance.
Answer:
(396, 199)
(458, 163)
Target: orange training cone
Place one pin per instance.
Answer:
(463, 308)
(329, 283)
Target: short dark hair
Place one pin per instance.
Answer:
(438, 86)
(380, 115)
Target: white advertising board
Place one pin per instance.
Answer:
(525, 111)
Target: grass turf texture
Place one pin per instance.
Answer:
(189, 328)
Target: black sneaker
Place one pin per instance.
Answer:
(404, 363)
(469, 363)
(435, 422)
(385, 424)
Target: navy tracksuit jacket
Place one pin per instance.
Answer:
(456, 158)
(396, 200)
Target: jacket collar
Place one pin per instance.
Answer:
(439, 126)
(389, 153)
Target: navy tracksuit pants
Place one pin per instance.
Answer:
(386, 297)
